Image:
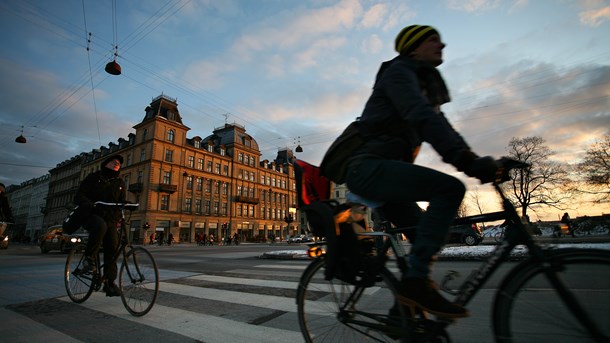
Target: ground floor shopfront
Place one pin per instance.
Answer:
(141, 231)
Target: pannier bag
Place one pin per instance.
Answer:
(334, 163)
(75, 219)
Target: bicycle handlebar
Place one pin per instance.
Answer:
(127, 206)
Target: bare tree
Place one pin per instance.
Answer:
(595, 170)
(475, 198)
(543, 183)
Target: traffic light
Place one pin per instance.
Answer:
(146, 226)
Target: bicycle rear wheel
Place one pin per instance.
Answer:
(528, 308)
(79, 285)
(139, 281)
(326, 313)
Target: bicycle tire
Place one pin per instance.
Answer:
(528, 308)
(318, 301)
(79, 286)
(139, 281)
(499, 236)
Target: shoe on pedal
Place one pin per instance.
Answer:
(88, 266)
(423, 293)
(112, 290)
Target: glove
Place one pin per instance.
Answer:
(484, 169)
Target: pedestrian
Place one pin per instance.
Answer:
(152, 238)
(103, 185)
(204, 239)
(160, 238)
(170, 238)
(402, 113)
(565, 219)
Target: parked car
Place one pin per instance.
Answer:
(54, 239)
(469, 234)
(300, 239)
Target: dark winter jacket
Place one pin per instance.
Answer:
(103, 185)
(403, 111)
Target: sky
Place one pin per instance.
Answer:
(295, 73)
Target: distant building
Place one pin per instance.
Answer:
(27, 203)
(187, 185)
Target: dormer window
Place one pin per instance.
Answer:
(210, 148)
(222, 151)
(197, 144)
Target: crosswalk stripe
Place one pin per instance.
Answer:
(202, 327)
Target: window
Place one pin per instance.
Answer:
(199, 183)
(217, 168)
(197, 205)
(167, 177)
(222, 151)
(217, 190)
(209, 167)
(208, 185)
(207, 207)
(189, 182)
(126, 180)
(188, 204)
(128, 160)
(140, 176)
(200, 164)
(169, 155)
(142, 155)
(225, 188)
(191, 162)
(197, 143)
(240, 157)
(251, 211)
(165, 202)
(171, 135)
(262, 179)
(210, 148)
(239, 210)
(224, 211)
(144, 133)
(225, 170)
(239, 190)
(216, 207)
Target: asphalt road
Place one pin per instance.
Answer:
(208, 294)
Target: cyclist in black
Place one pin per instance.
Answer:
(103, 185)
(402, 113)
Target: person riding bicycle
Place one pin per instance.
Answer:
(402, 113)
(103, 185)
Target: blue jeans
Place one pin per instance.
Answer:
(399, 185)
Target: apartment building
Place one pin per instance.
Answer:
(189, 184)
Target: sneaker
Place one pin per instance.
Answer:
(112, 290)
(423, 293)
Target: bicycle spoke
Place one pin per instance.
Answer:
(139, 281)
(531, 309)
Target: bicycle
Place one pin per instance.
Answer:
(553, 295)
(499, 236)
(138, 275)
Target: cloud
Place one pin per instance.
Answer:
(595, 17)
(472, 5)
(374, 16)
(372, 45)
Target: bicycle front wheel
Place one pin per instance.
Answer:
(139, 281)
(336, 311)
(79, 284)
(528, 308)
